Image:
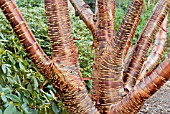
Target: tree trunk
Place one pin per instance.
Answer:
(109, 79)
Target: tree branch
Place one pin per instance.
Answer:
(104, 34)
(65, 57)
(109, 55)
(156, 53)
(85, 14)
(135, 99)
(128, 25)
(64, 51)
(126, 31)
(128, 44)
(144, 41)
(25, 35)
(127, 60)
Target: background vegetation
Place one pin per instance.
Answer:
(20, 82)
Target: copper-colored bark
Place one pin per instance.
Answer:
(64, 51)
(104, 34)
(111, 69)
(135, 99)
(128, 44)
(156, 52)
(145, 40)
(128, 25)
(25, 35)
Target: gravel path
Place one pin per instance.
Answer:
(159, 103)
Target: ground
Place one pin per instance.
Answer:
(159, 103)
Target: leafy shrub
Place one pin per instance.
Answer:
(29, 3)
(19, 79)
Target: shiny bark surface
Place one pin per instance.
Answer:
(144, 42)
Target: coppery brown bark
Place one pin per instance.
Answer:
(144, 42)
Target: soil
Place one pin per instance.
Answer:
(159, 103)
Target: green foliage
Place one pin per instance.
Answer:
(29, 3)
(19, 79)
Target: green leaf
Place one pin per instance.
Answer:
(1, 35)
(60, 104)
(4, 68)
(18, 112)
(8, 65)
(11, 58)
(17, 79)
(35, 83)
(9, 71)
(25, 107)
(3, 97)
(10, 109)
(29, 87)
(1, 50)
(0, 89)
(10, 80)
(6, 90)
(0, 111)
(51, 92)
(34, 111)
(21, 66)
(55, 108)
(14, 98)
